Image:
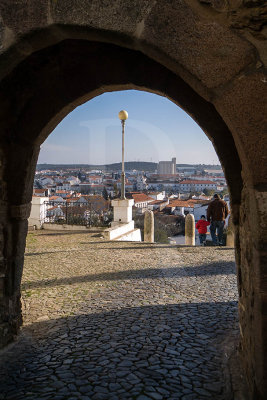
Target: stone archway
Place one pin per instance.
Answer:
(200, 64)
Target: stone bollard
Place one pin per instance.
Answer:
(149, 227)
(230, 237)
(190, 230)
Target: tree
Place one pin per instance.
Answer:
(160, 236)
(208, 192)
(105, 193)
(116, 192)
(224, 192)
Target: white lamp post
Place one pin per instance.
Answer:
(122, 226)
(123, 115)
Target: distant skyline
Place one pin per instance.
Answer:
(156, 130)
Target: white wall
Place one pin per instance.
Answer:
(200, 210)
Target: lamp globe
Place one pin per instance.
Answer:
(123, 115)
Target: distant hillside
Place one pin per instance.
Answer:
(137, 165)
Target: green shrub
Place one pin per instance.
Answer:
(160, 236)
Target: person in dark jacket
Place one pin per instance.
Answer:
(216, 214)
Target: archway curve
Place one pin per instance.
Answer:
(53, 81)
(36, 40)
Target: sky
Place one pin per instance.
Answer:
(156, 130)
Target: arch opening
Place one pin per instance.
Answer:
(90, 138)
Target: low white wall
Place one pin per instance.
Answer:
(64, 227)
(117, 229)
(133, 236)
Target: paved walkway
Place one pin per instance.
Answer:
(120, 320)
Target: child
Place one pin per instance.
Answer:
(202, 229)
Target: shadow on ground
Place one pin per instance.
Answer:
(162, 352)
(114, 247)
(214, 268)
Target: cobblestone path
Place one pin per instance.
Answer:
(121, 320)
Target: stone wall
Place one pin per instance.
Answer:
(207, 56)
(251, 259)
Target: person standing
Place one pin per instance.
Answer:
(216, 214)
(202, 230)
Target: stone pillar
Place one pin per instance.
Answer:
(190, 230)
(251, 244)
(16, 177)
(11, 271)
(122, 209)
(149, 227)
(230, 238)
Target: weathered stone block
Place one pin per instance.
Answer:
(230, 238)
(149, 227)
(190, 230)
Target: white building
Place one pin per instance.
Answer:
(200, 209)
(220, 188)
(95, 179)
(63, 193)
(66, 185)
(197, 185)
(74, 180)
(162, 185)
(41, 192)
(54, 213)
(158, 204)
(57, 200)
(180, 207)
(141, 183)
(44, 181)
(157, 195)
(141, 200)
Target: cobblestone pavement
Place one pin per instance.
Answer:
(121, 320)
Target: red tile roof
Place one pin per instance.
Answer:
(55, 197)
(186, 203)
(180, 203)
(39, 190)
(141, 197)
(53, 208)
(94, 177)
(158, 201)
(72, 199)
